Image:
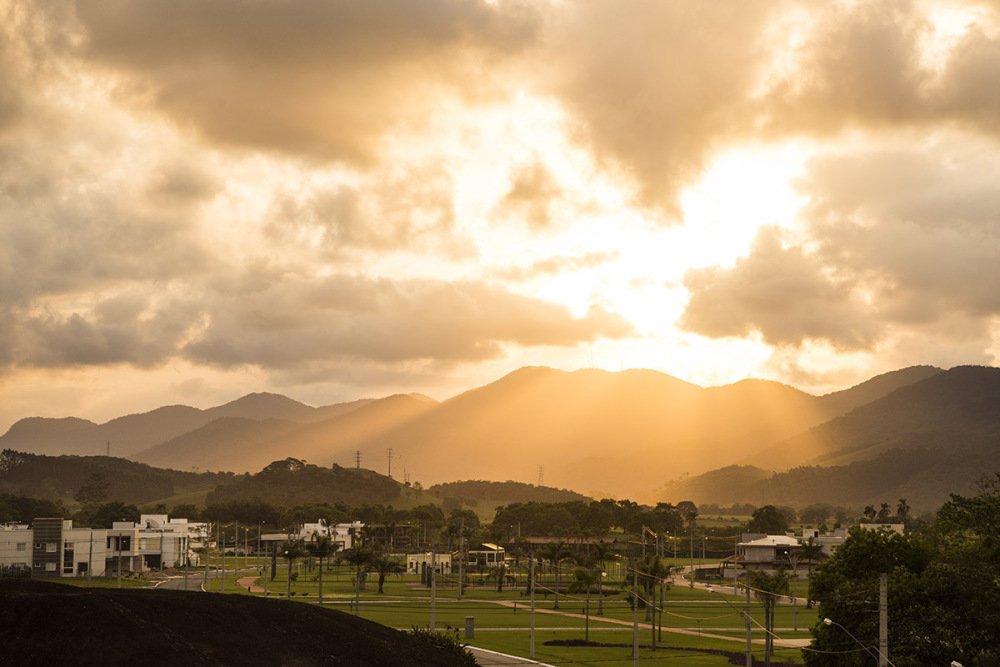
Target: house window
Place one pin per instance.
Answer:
(50, 547)
(22, 546)
(39, 546)
(50, 567)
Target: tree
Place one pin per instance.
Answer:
(322, 547)
(94, 491)
(361, 559)
(291, 551)
(884, 512)
(902, 510)
(768, 520)
(555, 553)
(600, 555)
(584, 580)
(383, 565)
(767, 587)
(870, 512)
(651, 571)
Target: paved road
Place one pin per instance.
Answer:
(488, 658)
(192, 582)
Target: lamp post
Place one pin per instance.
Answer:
(879, 658)
(746, 616)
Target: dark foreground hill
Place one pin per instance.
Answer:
(53, 624)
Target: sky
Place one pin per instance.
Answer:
(346, 199)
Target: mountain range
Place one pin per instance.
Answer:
(637, 433)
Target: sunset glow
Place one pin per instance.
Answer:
(333, 201)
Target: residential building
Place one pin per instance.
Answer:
(418, 563)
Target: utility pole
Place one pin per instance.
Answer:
(691, 547)
(207, 551)
(883, 620)
(461, 557)
(749, 641)
(531, 634)
(433, 586)
(635, 614)
(222, 544)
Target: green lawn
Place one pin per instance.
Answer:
(504, 627)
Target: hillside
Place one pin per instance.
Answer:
(133, 627)
(292, 482)
(60, 477)
(503, 492)
(133, 433)
(924, 477)
(600, 433)
(955, 410)
(242, 445)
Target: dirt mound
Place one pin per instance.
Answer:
(43, 623)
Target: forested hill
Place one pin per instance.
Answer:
(62, 477)
(924, 476)
(293, 482)
(503, 492)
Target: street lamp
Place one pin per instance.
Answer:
(877, 654)
(956, 663)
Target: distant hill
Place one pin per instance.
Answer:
(291, 482)
(504, 492)
(955, 410)
(60, 477)
(243, 444)
(924, 477)
(842, 402)
(132, 627)
(600, 433)
(133, 433)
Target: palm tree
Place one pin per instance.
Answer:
(555, 553)
(585, 577)
(292, 550)
(651, 571)
(601, 553)
(361, 559)
(322, 547)
(383, 565)
(767, 587)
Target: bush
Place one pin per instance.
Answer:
(445, 642)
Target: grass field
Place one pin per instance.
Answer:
(694, 620)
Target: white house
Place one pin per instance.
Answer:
(15, 549)
(768, 552)
(417, 563)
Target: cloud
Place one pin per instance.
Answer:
(397, 207)
(654, 87)
(297, 321)
(780, 292)
(556, 265)
(532, 189)
(899, 249)
(321, 79)
(859, 65)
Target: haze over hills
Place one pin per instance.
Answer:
(600, 433)
(921, 441)
(132, 433)
(243, 444)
